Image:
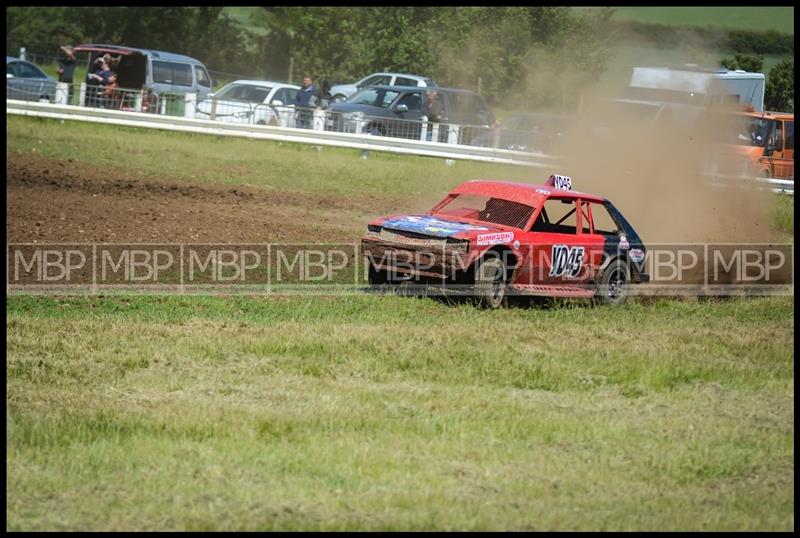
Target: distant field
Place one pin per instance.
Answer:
(780, 19)
(389, 413)
(626, 56)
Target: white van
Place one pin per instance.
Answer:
(698, 87)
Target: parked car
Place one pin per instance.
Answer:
(26, 81)
(495, 238)
(157, 71)
(397, 110)
(341, 92)
(525, 132)
(259, 102)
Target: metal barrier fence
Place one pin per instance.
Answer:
(284, 115)
(319, 127)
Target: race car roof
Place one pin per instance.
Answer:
(524, 193)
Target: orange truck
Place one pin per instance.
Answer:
(760, 144)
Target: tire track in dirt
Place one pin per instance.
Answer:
(51, 200)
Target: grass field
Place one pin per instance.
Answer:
(372, 412)
(385, 413)
(267, 165)
(780, 19)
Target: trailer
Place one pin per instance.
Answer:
(700, 87)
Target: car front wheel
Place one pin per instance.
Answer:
(490, 282)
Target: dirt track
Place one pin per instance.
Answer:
(62, 201)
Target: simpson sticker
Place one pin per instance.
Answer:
(636, 255)
(566, 261)
(494, 239)
(623, 242)
(543, 191)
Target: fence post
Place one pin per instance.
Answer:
(82, 101)
(190, 105)
(282, 114)
(137, 105)
(318, 123)
(423, 134)
(435, 132)
(22, 53)
(452, 134)
(162, 106)
(213, 114)
(62, 93)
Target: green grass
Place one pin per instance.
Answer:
(385, 413)
(258, 163)
(780, 19)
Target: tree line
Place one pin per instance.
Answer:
(532, 56)
(520, 57)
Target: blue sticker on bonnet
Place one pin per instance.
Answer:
(430, 226)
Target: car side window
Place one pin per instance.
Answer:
(29, 71)
(367, 97)
(604, 223)
(162, 72)
(11, 68)
(413, 101)
(182, 74)
(557, 215)
(789, 135)
(402, 81)
(377, 80)
(202, 77)
(280, 95)
(291, 95)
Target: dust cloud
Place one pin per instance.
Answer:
(650, 162)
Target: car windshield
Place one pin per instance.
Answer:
(244, 92)
(748, 130)
(379, 97)
(487, 209)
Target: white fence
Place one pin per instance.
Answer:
(280, 123)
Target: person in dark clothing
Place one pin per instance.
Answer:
(322, 99)
(432, 108)
(66, 69)
(303, 103)
(96, 81)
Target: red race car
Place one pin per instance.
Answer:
(492, 239)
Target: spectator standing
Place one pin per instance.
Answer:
(432, 108)
(109, 95)
(66, 69)
(322, 99)
(303, 103)
(98, 78)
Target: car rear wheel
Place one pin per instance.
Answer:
(490, 282)
(615, 284)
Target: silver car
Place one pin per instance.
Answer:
(259, 102)
(341, 92)
(27, 82)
